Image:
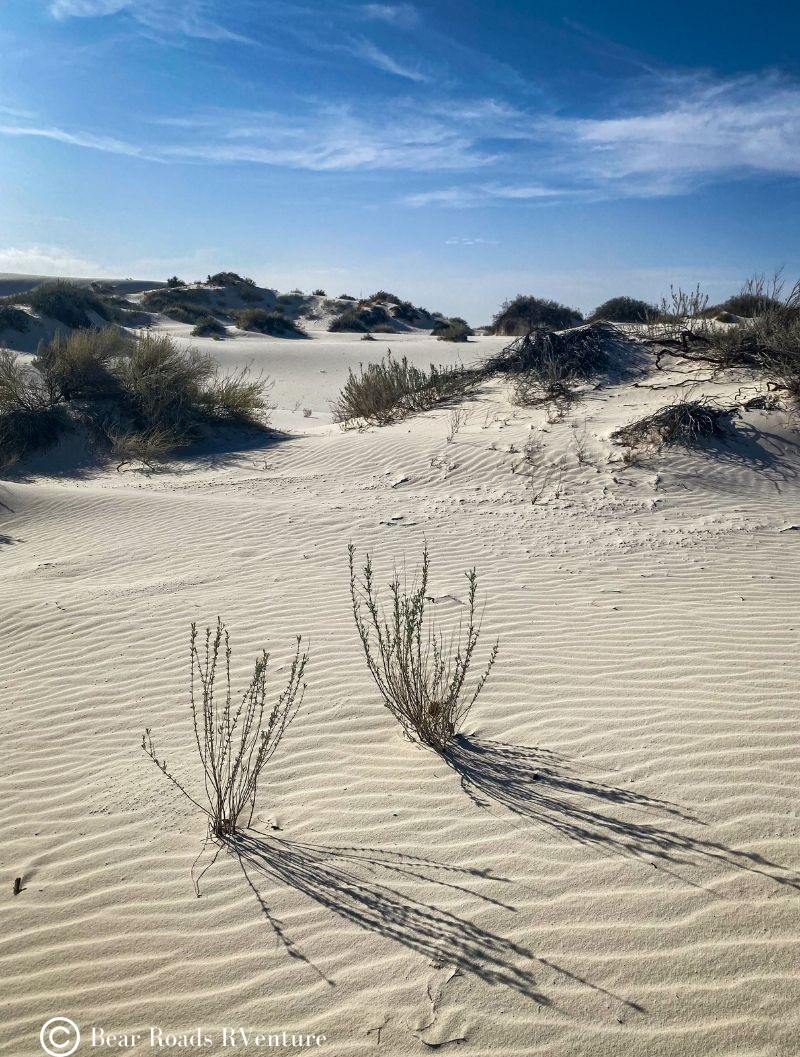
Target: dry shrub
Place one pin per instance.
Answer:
(275, 323)
(688, 423)
(78, 365)
(393, 389)
(234, 741)
(420, 672)
(67, 302)
(30, 421)
(149, 447)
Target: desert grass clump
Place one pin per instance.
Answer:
(391, 390)
(235, 741)
(686, 423)
(150, 447)
(421, 672)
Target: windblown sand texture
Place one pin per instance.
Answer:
(608, 865)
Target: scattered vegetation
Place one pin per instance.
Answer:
(184, 306)
(393, 389)
(30, 419)
(524, 314)
(624, 310)
(685, 422)
(274, 323)
(173, 282)
(421, 672)
(234, 741)
(79, 366)
(320, 293)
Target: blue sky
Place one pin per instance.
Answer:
(457, 153)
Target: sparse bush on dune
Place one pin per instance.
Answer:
(393, 389)
(174, 282)
(274, 323)
(209, 327)
(150, 447)
(182, 305)
(686, 422)
(384, 297)
(12, 318)
(525, 313)
(624, 310)
(235, 740)
(320, 293)
(421, 672)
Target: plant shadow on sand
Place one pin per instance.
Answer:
(362, 886)
(538, 785)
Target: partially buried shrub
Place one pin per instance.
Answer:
(393, 389)
(275, 323)
(235, 741)
(209, 327)
(687, 423)
(421, 672)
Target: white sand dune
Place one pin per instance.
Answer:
(610, 864)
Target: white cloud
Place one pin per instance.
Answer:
(403, 15)
(485, 194)
(107, 144)
(47, 260)
(372, 54)
(187, 18)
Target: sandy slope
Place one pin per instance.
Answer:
(610, 866)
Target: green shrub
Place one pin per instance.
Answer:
(209, 327)
(393, 389)
(385, 297)
(273, 323)
(524, 314)
(174, 282)
(749, 305)
(624, 310)
(12, 318)
(320, 293)
(66, 302)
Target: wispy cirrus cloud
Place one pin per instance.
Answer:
(402, 15)
(187, 18)
(107, 144)
(375, 56)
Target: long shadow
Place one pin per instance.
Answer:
(348, 882)
(538, 785)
